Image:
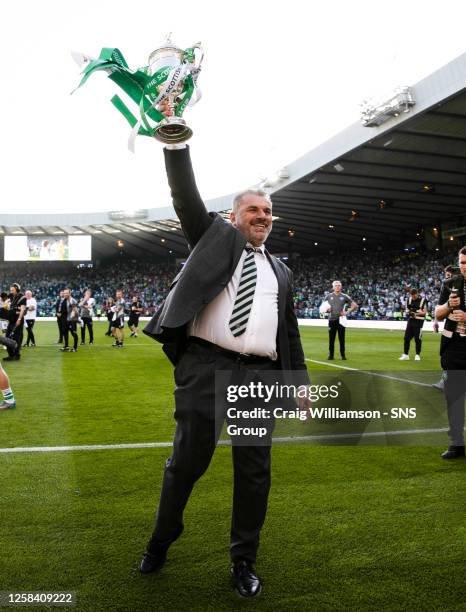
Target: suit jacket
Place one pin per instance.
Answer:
(58, 305)
(216, 247)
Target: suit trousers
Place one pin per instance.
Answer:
(87, 322)
(194, 444)
(453, 360)
(16, 333)
(335, 327)
(413, 330)
(60, 329)
(30, 334)
(70, 328)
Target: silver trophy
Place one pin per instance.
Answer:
(168, 83)
(178, 89)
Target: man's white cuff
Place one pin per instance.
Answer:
(174, 147)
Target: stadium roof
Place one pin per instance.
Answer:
(365, 186)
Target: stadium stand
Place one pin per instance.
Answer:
(377, 282)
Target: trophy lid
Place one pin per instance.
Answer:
(167, 54)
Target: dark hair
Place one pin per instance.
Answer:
(16, 286)
(462, 251)
(448, 269)
(413, 291)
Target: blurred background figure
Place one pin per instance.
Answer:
(15, 322)
(86, 312)
(136, 309)
(69, 316)
(8, 397)
(109, 302)
(58, 314)
(30, 318)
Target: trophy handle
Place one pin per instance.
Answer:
(201, 53)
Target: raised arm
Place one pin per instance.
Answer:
(188, 204)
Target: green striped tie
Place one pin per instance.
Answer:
(244, 295)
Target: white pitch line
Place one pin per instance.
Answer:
(92, 348)
(51, 449)
(86, 447)
(92, 447)
(405, 380)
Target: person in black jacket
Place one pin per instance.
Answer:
(109, 314)
(452, 308)
(58, 314)
(15, 322)
(440, 385)
(230, 308)
(136, 310)
(416, 310)
(69, 317)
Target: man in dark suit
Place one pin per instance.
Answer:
(230, 308)
(60, 323)
(452, 308)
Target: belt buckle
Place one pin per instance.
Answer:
(243, 356)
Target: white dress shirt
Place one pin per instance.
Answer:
(259, 338)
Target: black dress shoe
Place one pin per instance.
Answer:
(453, 452)
(151, 562)
(247, 584)
(156, 553)
(343, 358)
(330, 358)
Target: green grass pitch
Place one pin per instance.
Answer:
(352, 526)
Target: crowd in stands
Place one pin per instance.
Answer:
(377, 282)
(150, 282)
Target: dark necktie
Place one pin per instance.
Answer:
(244, 295)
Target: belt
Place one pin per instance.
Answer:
(240, 357)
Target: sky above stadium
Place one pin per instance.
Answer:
(278, 79)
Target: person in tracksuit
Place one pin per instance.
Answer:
(339, 305)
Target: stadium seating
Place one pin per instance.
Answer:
(377, 282)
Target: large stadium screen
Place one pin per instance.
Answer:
(48, 248)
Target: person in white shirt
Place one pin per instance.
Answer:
(230, 308)
(30, 318)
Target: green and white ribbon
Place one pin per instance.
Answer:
(147, 91)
